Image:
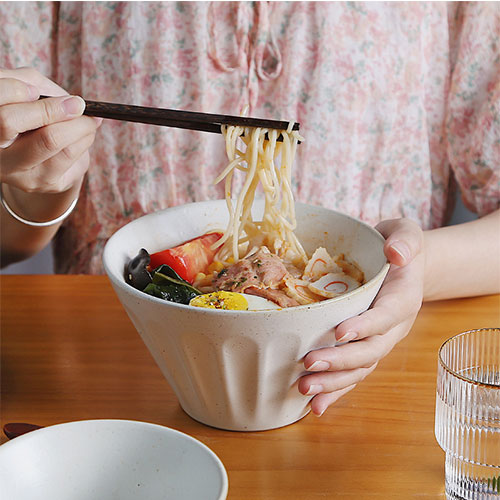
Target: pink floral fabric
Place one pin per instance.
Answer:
(398, 102)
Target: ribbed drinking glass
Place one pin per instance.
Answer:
(468, 414)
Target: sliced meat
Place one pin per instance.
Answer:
(237, 277)
(269, 267)
(261, 270)
(277, 296)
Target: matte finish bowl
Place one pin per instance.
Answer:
(108, 459)
(238, 370)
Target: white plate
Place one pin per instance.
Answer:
(108, 460)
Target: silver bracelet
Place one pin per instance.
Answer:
(30, 222)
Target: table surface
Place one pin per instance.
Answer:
(69, 352)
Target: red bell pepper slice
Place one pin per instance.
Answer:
(190, 258)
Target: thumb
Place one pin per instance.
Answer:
(404, 240)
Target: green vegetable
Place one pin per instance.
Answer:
(170, 273)
(168, 285)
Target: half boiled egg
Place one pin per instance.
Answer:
(232, 301)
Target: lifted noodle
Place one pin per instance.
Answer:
(268, 162)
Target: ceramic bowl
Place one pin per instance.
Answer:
(106, 459)
(238, 370)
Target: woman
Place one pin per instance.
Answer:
(398, 103)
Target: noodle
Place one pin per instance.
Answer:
(267, 162)
(256, 258)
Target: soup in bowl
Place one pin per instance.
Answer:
(239, 369)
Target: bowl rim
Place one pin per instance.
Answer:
(137, 424)
(282, 310)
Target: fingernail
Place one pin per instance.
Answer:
(33, 92)
(314, 389)
(319, 414)
(6, 144)
(402, 249)
(73, 106)
(98, 120)
(319, 366)
(348, 336)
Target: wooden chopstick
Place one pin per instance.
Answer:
(205, 122)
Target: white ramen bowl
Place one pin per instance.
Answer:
(107, 459)
(238, 370)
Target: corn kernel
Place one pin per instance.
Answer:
(215, 266)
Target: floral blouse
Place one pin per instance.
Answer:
(398, 102)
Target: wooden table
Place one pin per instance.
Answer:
(69, 352)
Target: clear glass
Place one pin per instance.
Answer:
(468, 414)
